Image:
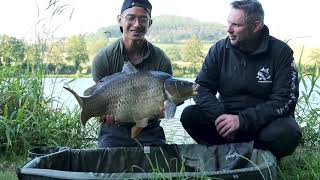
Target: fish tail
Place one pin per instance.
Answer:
(83, 116)
(80, 101)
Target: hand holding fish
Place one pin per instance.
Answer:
(108, 119)
(162, 112)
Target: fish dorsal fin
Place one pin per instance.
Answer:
(128, 68)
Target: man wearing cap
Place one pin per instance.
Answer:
(134, 21)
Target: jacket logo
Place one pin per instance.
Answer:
(263, 76)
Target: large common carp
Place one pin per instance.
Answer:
(134, 96)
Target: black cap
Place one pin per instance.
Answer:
(145, 4)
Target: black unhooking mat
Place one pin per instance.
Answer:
(186, 161)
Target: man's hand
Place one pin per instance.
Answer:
(108, 119)
(162, 112)
(227, 125)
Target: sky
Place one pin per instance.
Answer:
(286, 19)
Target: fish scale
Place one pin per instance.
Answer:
(142, 96)
(133, 96)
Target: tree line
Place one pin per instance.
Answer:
(184, 40)
(181, 38)
(175, 29)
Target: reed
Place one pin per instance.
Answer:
(308, 106)
(27, 118)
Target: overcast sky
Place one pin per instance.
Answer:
(287, 19)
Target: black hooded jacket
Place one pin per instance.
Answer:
(259, 87)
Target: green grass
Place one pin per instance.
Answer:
(303, 164)
(8, 175)
(9, 164)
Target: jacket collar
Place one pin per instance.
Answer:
(262, 47)
(146, 52)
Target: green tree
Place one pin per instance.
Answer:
(11, 50)
(177, 29)
(55, 54)
(55, 57)
(192, 56)
(33, 54)
(95, 42)
(174, 53)
(76, 52)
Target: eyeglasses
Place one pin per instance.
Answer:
(131, 19)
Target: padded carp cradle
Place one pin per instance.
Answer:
(185, 161)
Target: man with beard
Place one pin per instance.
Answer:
(256, 80)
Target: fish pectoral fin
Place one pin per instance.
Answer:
(129, 68)
(170, 109)
(89, 91)
(135, 131)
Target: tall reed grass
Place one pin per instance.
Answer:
(308, 106)
(27, 119)
(304, 163)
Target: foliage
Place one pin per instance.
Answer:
(77, 52)
(8, 165)
(95, 42)
(173, 51)
(303, 164)
(11, 50)
(26, 118)
(192, 57)
(32, 55)
(308, 109)
(57, 68)
(187, 57)
(169, 29)
(55, 53)
(176, 29)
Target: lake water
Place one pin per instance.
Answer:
(172, 127)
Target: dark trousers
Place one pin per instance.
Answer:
(120, 136)
(280, 137)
